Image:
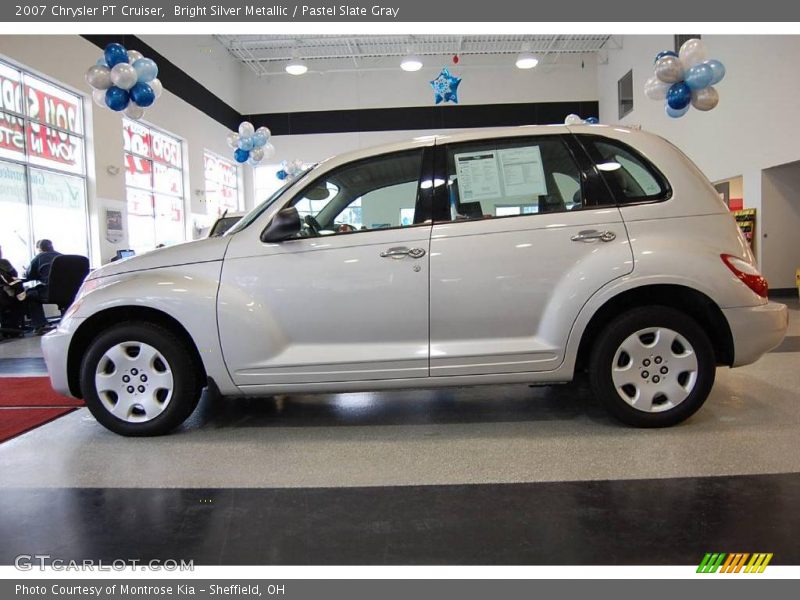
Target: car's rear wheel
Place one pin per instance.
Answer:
(139, 379)
(652, 367)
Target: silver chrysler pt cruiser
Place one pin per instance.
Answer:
(519, 255)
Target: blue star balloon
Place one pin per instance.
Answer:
(445, 87)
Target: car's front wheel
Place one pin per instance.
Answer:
(139, 379)
(652, 367)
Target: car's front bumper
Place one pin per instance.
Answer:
(55, 347)
(756, 330)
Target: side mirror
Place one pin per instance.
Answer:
(284, 225)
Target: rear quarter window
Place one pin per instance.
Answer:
(629, 176)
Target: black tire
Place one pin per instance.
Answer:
(604, 352)
(186, 378)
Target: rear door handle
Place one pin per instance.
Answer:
(402, 252)
(593, 235)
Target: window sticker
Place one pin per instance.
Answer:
(478, 175)
(523, 171)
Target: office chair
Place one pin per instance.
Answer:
(66, 276)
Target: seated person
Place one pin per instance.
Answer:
(39, 270)
(12, 294)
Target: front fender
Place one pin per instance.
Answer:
(186, 293)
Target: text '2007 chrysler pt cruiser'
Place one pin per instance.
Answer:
(520, 255)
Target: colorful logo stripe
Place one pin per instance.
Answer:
(734, 563)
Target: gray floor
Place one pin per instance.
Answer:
(750, 425)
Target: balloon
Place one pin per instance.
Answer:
(679, 95)
(256, 154)
(117, 99)
(264, 131)
(699, 76)
(664, 53)
(281, 174)
(143, 95)
(134, 55)
(705, 99)
(123, 76)
(445, 87)
(115, 54)
(246, 142)
(134, 111)
(717, 70)
(573, 119)
(99, 97)
(252, 161)
(656, 89)
(692, 52)
(241, 155)
(259, 139)
(146, 70)
(233, 140)
(246, 129)
(669, 69)
(101, 62)
(99, 77)
(268, 150)
(591, 120)
(676, 113)
(157, 87)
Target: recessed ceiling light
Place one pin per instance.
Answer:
(296, 67)
(411, 63)
(526, 60)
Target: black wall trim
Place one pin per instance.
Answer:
(422, 117)
(346, 121)
(783, 293)
(176, 80)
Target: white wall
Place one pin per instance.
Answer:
(205, 60)
(753, 127)
(384, 84)
(46, 54)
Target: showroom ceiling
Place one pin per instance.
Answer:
(266, 54)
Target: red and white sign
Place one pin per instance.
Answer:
(53, 108)
(144, 141)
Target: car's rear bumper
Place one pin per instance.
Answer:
(756, 330)
(55, 348)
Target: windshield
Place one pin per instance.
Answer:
(258, 210)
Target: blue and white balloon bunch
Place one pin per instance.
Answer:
(250, 145)
(290, 169)
(685, 79)
(124, 80)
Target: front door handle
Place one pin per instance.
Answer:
(593, 235)
(402, 252)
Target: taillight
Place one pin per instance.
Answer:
(747, 273)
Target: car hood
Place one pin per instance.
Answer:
(198, 251)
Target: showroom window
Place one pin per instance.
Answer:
(625, 94)
(376, 193)
(222, 184)
(153, 187)
(512, 177)
(42, 167)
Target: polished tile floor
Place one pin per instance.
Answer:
(469, 452)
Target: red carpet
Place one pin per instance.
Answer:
(32, 391)
(28, 402)
(14, 421)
